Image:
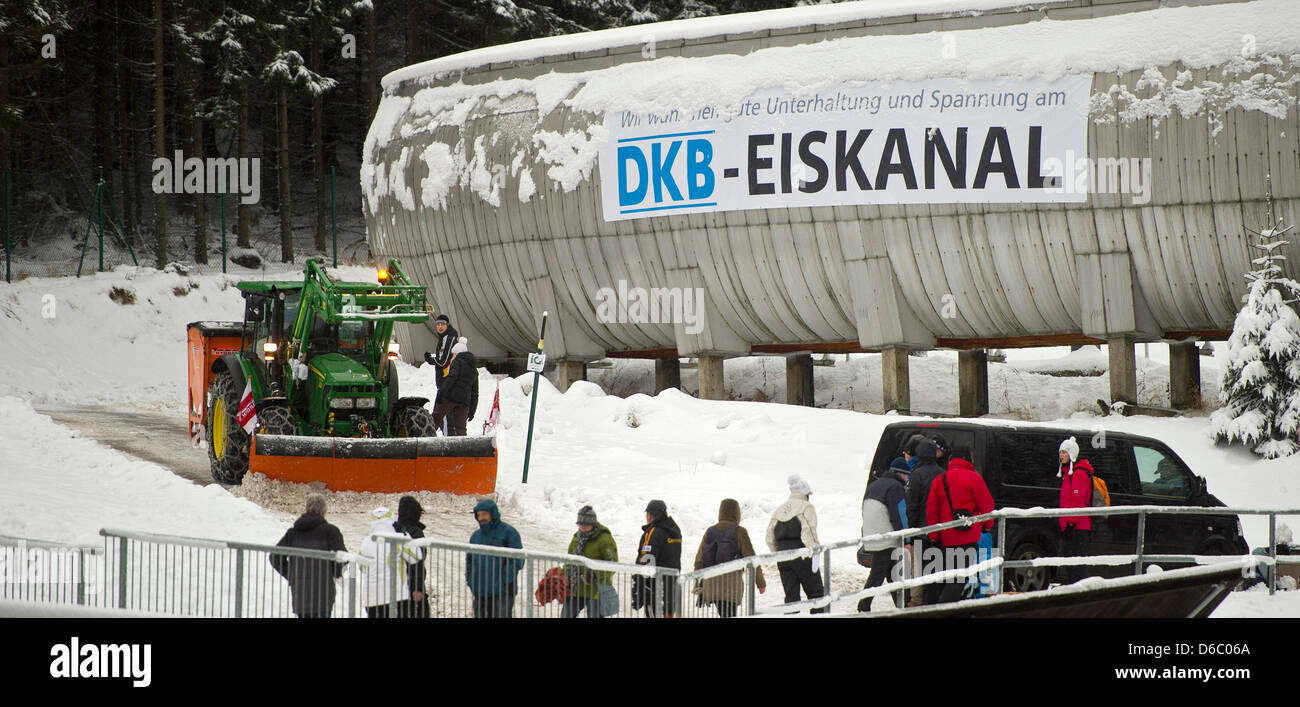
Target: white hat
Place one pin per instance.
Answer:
(461, 346)
(1070, 447)
(798, 485)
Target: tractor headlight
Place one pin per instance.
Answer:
(269, 349)
(365, 403)
(394, 349)
(342, 404)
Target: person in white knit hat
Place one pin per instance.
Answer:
(1076, 492)
(458, 390)
(794, 525)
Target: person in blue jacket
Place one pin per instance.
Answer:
(884, 510)
(492, 579)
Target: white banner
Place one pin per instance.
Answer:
(929, 142)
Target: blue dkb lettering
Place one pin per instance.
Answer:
(661, 173)
(699, 173)
(626, 197)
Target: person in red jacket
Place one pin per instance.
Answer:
(958, 492)
(1076, 492)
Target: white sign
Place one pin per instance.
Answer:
(536, 362)
(929, 142)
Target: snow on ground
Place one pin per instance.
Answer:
(56, 485)
(613, 452)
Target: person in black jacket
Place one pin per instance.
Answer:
(447, 338)
(311, 580)
(409, 511)
(884, 510)
(927, 469)
(660, 546)
(458, 390)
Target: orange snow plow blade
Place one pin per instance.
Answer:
(461, 465)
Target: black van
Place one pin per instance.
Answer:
(1020, 464)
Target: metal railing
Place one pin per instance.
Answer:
(200, 577)
(215, 578)
(50, 572)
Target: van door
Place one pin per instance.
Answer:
(1163, 481)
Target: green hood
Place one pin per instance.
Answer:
(337, 369)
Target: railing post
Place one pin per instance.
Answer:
(392, 578)
(122, 547)
(239, 582)
(826, 575)
(750, 600)
(1002, 554)
(1272, 552)
(81, 577)
(1141, 541)
(354, 575)
(529, 582)
(658, 611)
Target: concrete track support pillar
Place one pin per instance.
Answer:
(668, 374)
(1123, 370)
(566, 372)
(973, 383)
(894, 370)
(1184, 376)
(799, 379)
(711, 378)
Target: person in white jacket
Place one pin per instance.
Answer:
(794, 525)
(375, 590)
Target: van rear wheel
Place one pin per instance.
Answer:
(1027, 579)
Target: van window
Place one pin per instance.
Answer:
(1029, 459)
(1159, 474)
(1110, 462)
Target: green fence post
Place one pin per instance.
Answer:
(99, 216)
(532, 409)
(86, 239)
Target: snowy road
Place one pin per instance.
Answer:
(152, 436)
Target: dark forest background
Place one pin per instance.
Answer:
(104, 87)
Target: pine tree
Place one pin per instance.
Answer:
(1260, 389)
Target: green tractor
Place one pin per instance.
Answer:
(317, 357)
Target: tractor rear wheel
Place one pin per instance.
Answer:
(276, 420)
(413, 421)
(228, 443)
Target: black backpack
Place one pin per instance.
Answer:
(720, 546)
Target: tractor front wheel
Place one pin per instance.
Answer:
(228, 443)
(276, 420)
(413, 421)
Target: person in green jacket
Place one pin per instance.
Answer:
(594, 541)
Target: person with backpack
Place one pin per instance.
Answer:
(959, 492)
(884, 510)
(377, 587)
(794, 525)
(724, 542)
(1077, 491)
(924, 472)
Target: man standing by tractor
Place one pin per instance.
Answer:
(458, 390)
(441, 356)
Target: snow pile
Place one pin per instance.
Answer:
(60, 487)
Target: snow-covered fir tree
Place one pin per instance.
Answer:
(1260, 389)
